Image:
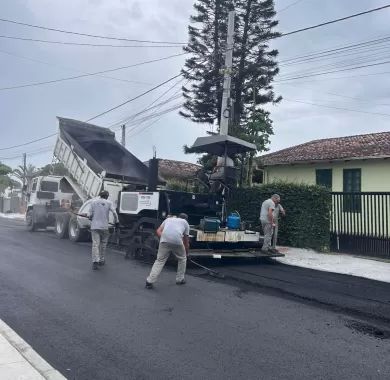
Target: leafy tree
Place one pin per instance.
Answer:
(207, 41)
(5, 180)
(31, 172)
(254, 67)
(55, 169)
(4, 169)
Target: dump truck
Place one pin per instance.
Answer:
(95, 161)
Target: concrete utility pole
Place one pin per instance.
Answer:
(226, 103)
(24, 168)
(24, 190)
(123, 140)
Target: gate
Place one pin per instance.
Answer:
(360, 223)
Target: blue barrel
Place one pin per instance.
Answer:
(233, 221)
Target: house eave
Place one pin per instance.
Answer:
(328, 161)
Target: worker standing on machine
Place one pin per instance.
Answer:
(174, 238)
(99, 215)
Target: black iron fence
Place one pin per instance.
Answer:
(360, 223)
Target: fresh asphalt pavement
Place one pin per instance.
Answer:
(106, 325)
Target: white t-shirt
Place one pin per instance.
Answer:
(173, 231)
(99, 211)
(267, 204)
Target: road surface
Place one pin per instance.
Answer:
(105, 325)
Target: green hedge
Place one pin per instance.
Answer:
(306, 224)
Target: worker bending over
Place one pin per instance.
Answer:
(174, 238)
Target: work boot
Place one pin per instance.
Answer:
(181, 282)
(102, 263)
(148, 285)
(95, 265)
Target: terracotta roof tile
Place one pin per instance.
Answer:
(374, 145)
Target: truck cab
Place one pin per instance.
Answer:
(46, 189)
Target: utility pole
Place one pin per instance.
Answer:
(24, 190)
(24, 168)
(227, 80)
(123, 140)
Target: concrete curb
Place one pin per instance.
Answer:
(28, 353)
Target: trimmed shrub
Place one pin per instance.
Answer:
(307, 220)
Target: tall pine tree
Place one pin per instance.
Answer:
(254, 67)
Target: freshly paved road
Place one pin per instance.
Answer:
(105, 325)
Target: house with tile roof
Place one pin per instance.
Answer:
(358, 163)
(177, 170)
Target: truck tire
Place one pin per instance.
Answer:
(61, 227)
(76, 233)
(30, 224)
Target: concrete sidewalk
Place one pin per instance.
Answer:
(366, 267)
(18, 360)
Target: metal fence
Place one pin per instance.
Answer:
(360, 223)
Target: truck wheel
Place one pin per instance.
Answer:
(30, 224)
(151, 246)
(76, 233)
(62, 226)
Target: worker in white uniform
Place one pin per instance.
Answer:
(99, 214)
(174, 238)
(278, 209)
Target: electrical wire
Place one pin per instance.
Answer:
(337, 108)
(29, 142)
(95, 117)
(365, 100)
(331, 72)
(336, 50)
(85, 43)
(88, 34)
(89, 74)
(134, 98)
(33, 153)
(335, 21)
(70, 68)
(149, 106)
(289, 6)
(134, 129)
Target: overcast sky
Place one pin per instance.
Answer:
(30, 113)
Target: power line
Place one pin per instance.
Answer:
(89, 74)
(32, 153)
(95, 117)
(332, 71)
(29, 142)
(289, 6)
(350, 62)
(70, 68)
(337, 108)
(149, 106)
(335, 21)
(173, 96)
(341, 96)
(86, 44)
(335, 51)
(134, 98)
(88, 34)
(344, 77)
